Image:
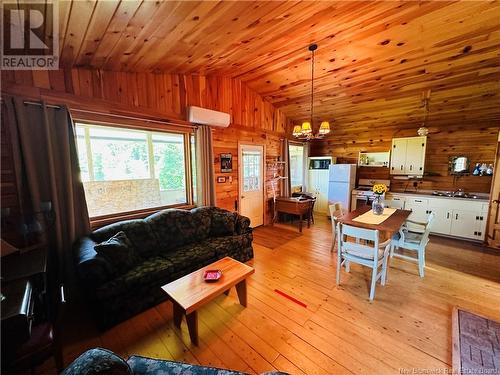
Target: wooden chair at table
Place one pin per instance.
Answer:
(336, 211)
(413, 236)
(370, 254)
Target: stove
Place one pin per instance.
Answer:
(363, 194)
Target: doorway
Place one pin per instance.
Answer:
(251, 182)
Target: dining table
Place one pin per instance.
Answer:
(386, 228)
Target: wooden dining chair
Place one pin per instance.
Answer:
(371, 253)
(413, 236)
(336, 211)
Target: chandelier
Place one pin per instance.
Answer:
(305, 130)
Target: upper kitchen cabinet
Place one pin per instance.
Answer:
(408, 156)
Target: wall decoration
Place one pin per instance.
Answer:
(226, 163)
(221, 179)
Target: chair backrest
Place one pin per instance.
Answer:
(368, 250)
(336, 211)
(427, 231)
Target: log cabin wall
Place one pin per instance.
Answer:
(478, 142)
(160, 96)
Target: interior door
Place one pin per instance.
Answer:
(493, 235)
(252, 183)
(322, 192)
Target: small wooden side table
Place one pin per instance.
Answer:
(191, 292)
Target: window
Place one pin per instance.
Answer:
(127, 170)
(296, 154)
(251, 170)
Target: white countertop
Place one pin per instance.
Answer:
(481, 197)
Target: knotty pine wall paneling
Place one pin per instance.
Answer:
(165, 96)
(476, 141)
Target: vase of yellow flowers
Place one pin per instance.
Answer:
(378, 202)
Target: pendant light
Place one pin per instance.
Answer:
(426, 97)
(305, 131)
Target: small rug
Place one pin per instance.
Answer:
(272, 236)
(476, 344)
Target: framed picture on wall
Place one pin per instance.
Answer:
(226, 163)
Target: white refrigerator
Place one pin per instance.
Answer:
(341, 182)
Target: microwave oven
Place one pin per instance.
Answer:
(320, 162)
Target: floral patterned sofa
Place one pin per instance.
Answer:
(151, 252)
(104, 362)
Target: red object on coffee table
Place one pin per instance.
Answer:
(212, 275)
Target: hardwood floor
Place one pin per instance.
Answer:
(407, 326)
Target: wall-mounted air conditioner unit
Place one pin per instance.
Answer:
(205, 116)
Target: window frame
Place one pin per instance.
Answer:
(143, 126)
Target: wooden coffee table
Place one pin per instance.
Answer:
(191, 292)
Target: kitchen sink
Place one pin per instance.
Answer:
(454, 195)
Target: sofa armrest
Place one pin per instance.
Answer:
(98, 361)
(92, 269)
(242, 225)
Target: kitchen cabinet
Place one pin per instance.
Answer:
(419, 208)
(395, 202)
(398, 155)
(468, 224)
(408, 156)
(442, 219)
(458, 217)
(318, 186)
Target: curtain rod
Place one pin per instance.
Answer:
(40, 104)
(134, 118)
(113, 115)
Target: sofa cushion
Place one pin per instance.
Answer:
(119, 252)
(228, 245)
(223, 222)
(150, 366)
(158, 270)
(138, 232)
(175, 228)
(191, 257)
(150, 272)
(98, 362)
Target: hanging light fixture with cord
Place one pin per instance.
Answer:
(305, 131)
(426, 97)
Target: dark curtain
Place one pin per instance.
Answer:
(205, 167)
(285, 156)
(47, 170)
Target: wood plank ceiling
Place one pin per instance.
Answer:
(373, 63)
